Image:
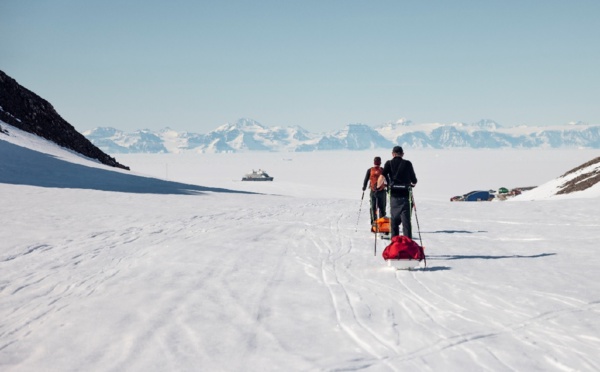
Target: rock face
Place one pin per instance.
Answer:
(584, 177)
(27, 111)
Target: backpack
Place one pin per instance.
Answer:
(404, 248)
(374, 179)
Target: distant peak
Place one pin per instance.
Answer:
(101, 131)
(487, 124)
(244, 124)
(402, 122)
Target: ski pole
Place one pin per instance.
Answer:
(374, 224)
(414, 205)
(359, 209)
(376, 232)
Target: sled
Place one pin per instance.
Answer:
(381, 228)
(403, 253)
(381, 225)
(385, 235)
(405, 264)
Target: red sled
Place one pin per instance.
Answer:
(404, 253)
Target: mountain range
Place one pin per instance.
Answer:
(25, 110)
(250, 135)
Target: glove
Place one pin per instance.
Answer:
(364, 188)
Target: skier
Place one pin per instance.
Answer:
(401, 177)
(377, 185)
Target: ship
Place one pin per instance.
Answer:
(259, 175)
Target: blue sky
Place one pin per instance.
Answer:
(194, 65)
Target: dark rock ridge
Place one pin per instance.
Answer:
(27, 111)
(583, 181)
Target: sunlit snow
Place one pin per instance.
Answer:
(108, 270)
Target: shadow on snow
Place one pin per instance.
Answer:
(23, 166)
(483, 257)
(466, 257)
(454, 232)
(432, 268)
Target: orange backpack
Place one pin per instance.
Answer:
(374, 179)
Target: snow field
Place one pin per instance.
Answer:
(287, 279)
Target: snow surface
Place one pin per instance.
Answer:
(106, 270)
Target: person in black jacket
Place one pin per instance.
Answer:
(378, 196)
(401, 177)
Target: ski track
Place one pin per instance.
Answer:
(347, 314)
(380, 348)
(520, 329)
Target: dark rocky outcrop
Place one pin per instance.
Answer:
(27, 111)
(583, 181)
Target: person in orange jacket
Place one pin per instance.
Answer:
(378, 195)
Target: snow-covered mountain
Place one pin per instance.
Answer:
(250, 135)
(244, 135)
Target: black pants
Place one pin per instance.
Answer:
(400, 210)
(378, 204)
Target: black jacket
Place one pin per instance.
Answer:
(367, 178)
(399, 172)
